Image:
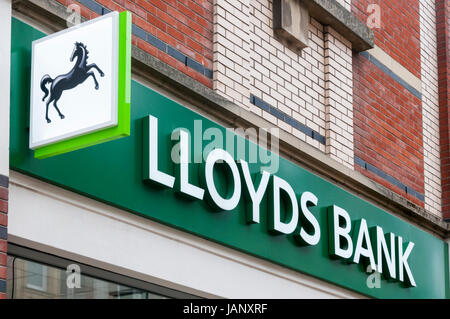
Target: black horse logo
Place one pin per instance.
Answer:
(79, 73)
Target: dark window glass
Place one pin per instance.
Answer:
(32, 280)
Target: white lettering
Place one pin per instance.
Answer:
(337, 232)
(222, 203)
(363, 236)
(254, 195)
(308, 239)
(403, 262)
(183, 170)
(383, 250)
(275, 223)
(155, 174)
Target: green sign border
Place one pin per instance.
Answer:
(113, 173)
(123, 116)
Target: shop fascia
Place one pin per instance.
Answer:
(354, 242)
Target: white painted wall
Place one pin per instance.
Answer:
(5, 57)
(56, 221)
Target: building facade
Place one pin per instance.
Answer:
(352, 94)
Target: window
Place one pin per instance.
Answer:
(36, 275)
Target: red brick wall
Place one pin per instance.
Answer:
(387, 116)
(186, 25)
(443, 40)
(399, 35)
(387, 128)
(3, 242)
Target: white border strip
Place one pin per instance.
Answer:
(396, 68)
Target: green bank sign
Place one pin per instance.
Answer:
(226, 180)
(183, 170)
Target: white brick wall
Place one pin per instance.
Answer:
(248, 59)
(430, 106)
(291, 82)
(338, 98)
(231, 74)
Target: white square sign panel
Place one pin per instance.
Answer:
(74, 79)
